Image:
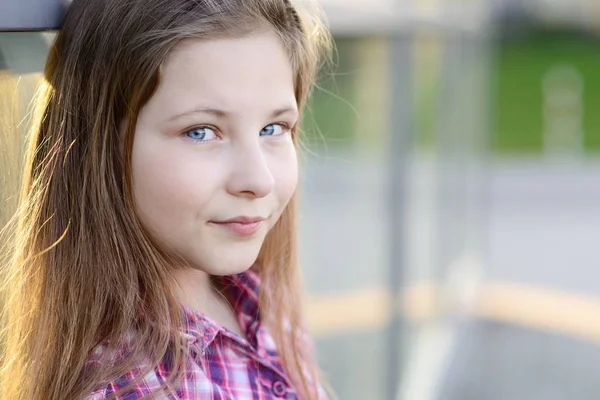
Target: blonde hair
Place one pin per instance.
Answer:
(80, 270)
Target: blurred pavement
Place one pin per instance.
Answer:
(544, 231)
(541, 230)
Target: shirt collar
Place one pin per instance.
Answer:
(242, 292)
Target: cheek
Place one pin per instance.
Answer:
(285, 174)
(169, 186)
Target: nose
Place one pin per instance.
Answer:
(251, 175)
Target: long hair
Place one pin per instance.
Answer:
(79, 270)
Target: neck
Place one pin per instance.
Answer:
(194, 289)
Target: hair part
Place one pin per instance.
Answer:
(79, 269)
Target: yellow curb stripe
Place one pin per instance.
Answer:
(549, 310)
(365, 309)
(348, 312)
(536, 307)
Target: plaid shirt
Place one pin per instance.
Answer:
(221, 364)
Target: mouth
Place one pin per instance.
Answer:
(240, 226)
(240, 220)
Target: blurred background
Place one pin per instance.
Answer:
(450, 196)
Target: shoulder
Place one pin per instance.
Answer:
(140, 379)
(130, 386)
(144, 380)
(194, 384)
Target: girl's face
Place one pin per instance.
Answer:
(213, 163)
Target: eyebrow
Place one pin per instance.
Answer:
(223, 114)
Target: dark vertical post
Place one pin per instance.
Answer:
(400, 146)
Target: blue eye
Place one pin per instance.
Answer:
(273, 130)
(201, 134)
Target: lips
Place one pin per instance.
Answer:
(241, 220)
(240, 226)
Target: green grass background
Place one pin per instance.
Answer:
(517, 67)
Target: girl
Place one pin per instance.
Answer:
(154, 253)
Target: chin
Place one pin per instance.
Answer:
(230, 270)
(231, 263)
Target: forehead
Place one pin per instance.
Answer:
(245, 73)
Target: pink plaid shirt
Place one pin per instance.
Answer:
(221, 364)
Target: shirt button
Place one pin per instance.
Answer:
(279, 389)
